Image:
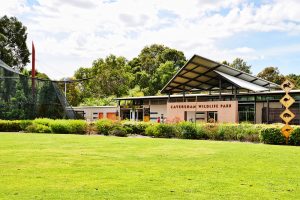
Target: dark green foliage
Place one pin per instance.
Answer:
(154, 67)
(43, 121)
(104, 126)
(18, 101)
(25, 123)
(295, 137)
(10, 126)
(188, 130)
(272, 136)
(68, 126)
(162, 130)
(118, 130)
(13, 48)
(38, 128)
(135, 128)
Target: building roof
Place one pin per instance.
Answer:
(202, 74)
(205, 95)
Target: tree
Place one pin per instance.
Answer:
(241, 65)
(13, 48)
(110, 76)
(146, 66)
(295, 79)
(271, 74)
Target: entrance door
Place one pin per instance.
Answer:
(212, 116)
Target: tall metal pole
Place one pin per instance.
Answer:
(65, 79)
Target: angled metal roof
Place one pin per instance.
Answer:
(202, 74)
(5, 66)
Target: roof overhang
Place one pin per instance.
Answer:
(202, 74)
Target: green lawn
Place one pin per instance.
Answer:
(48, 166)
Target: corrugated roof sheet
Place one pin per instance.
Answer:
(200, 74)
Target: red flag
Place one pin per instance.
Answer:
(33, 61)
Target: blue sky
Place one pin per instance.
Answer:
(69, 34)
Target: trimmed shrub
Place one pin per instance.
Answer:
(271, 136)
(188, 130)
(162, 131)
(104, 126)
(68, 126)
(77, 126)
(10, 126)
(118, 130)
(249, 132)
(211, 131)
(38, 128)
(43, 121)
(137, 128)
(295, 137)
(59, 126)
(24, 124)
(226, 132)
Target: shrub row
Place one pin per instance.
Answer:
(268, 134)
(44, 125)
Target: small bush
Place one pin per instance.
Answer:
(38, 128)
(118, 130)
(227, 132)
(162, 130)
(136, 128)
(68, 126)
(104, 126)
(10, 126)
(248, 132)
(59, 126)
(271, 136)
(77, 126)
(295, 137)
(211, 131)
(188, 130)
(43, 121)
(24, 124)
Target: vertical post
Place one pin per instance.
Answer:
(268, 106)
(220, 89)
(169, 97)
(33, 70)
(65, 81)
(235, 92)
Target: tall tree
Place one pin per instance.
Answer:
(271, 74)
(146, 66)
(295, 79)
(241, 65)
(110, 76)
(13, 48)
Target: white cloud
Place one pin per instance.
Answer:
(73, 33)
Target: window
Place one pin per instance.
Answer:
(247, 113)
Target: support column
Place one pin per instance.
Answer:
(220, 89)
(268, 108)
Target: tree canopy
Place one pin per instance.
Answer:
(241, 65)
(109, 76)
(13, 48)
(271, 74)
(154, 66)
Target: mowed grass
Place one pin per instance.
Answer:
(49, 166)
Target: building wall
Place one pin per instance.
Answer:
(91, 113)
(157, 110)
(261, 105)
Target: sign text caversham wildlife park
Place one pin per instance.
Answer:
(201, 106)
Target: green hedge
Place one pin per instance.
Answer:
(268, 134)
(10, 126)
(68, 126)
(272, 136)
